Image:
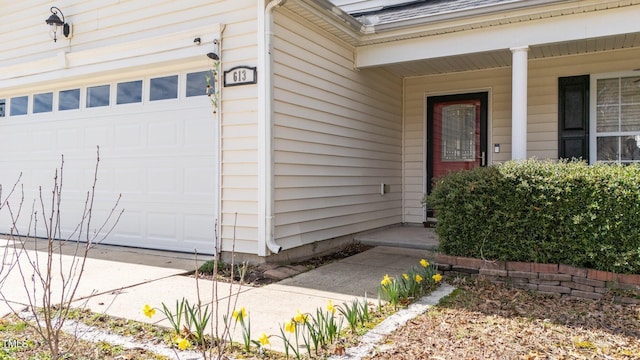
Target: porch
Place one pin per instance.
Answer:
(403, 236)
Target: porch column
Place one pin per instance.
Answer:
(519, 103)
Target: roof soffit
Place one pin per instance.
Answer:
(334, 20)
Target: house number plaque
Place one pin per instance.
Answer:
(240, 75)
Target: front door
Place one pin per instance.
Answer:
(456, 133)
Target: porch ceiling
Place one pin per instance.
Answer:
(502, 58)
(382, 49)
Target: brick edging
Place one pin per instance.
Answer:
(545, 278)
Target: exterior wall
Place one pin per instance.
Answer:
(115, 40)
(542, 128)
(337, 137)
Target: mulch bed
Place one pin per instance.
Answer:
(481, 320)
(255, 274)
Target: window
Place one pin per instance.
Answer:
(129, 92)
(69, 100)
(19, 105)
(2, 107)
(164, 88)
(617, 119)
(98, 96)
(43, 102)
(197, 83)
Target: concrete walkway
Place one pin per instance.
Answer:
(120, 281)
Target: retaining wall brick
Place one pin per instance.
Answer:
(632, 279)
(446, 259)
(590, 282)
(549, 279)
(586, 294)
(544, 282)
(619, 285)
(495, 279)
(469, 263)
(525, 285)
(523, 274)
(493, 272)
(601, 290)
(577, 286)
(555, 289)
(557, 277)
(626, 300)
(572, 270)
(601, 275)
(464, 269)
(518, 266)
(493, 265)
(545, 268)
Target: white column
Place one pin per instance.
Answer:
(519, 103)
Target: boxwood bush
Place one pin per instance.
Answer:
(542, 211)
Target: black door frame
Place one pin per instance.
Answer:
(431, 101)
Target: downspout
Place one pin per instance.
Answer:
(266, 145)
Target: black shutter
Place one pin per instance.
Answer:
(573, 117)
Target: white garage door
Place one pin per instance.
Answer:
(157, 140)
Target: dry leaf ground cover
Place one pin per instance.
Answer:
(481, 320)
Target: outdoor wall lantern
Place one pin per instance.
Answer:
(54, 22)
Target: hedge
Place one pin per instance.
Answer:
(542, 211)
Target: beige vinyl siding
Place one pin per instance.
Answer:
(542, 126)
(337, 137)
(99, 24)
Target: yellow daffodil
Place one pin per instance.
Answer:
(300, 317)
(405, 276)
(149, 311)
(386, 280)
(183, 343)
(437, 277)
(264, 339)
(424, 263)
(290, 326)
(239, 315)
(330, 307)
(418, 278)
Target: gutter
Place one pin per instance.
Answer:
(266, 239)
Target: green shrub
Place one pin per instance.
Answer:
(542, 211)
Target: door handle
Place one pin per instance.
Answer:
(483, 158)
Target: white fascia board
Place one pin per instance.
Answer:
(164, 48)
(500, 37)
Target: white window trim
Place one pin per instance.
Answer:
(593, 100)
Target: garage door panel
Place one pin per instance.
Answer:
(41, 141)
(163, 134)
(99, 136)
(129, 180)
(163, 181)
(163, 226)
(198, 227)
(162, 162)
(128, 136)
(69, 139)
(197, 132)
(198, 181)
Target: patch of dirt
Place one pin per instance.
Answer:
(481, 320)
(255, 274)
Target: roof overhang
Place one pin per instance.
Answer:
(481, 37)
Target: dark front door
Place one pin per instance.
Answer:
(456, 133)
